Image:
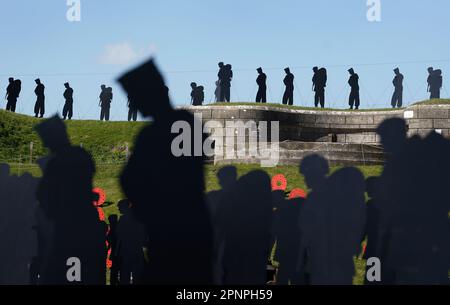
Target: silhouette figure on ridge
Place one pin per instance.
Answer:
(262, 87)
(353, 81)
(319, 81)
(39, 107)
(288, 96)
(68, 106)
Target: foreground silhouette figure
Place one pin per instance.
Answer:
(68, 106)
(353, 81)
(12, 94)
(132, 110)
(106, 97)
(288, 96)
(65, 195)
(413, 225)
(177, 222)
(247, 221)
(17, 239)
(333, 228)
(262, 87)
(217, 202)
(131, 239)
(39, 106)
(397, 97)
(197, 95)
(319, 81)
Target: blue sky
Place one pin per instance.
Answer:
(188, 38)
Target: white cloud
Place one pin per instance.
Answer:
(124, 54)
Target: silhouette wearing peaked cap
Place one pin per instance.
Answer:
(262, 87)
(177, 223)
(39, 107)
(68, 106)
(288, 96)
(66, 189)
(353, 81)
(397, 97)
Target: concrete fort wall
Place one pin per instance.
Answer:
(322, 126)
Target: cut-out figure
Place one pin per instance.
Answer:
(39, 107)
(197, 94)
(66, 189)
(217, 91)
(262, 87)
(434, 83)
(178, 223)
(319, 81)
(68, 106)
(225, 76)
(12, 94)
(106, 97)
(353, 81)
(397, 97)
(132, 110)
(288, 96)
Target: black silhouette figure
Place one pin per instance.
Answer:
(413, 219)
(262, 87)
(319, 81)
(111, 238)
(131, 239)
(434, 83)
(12, 93)
(66, 189)
(333, 226)
(39, 107)
(106, 97)
(288, 96)
(18, 240)
(177, 222)
(68, 106)
(217, 201)
(353, 81)
(225, 76)
(247, 223)
(288, 236)
(315, 170)
(397, 97)
(217, 91)
(197, 95)
(132, 110)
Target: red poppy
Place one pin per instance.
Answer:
(297, 193)
(279, 182)
(101, 214)
(101, 196)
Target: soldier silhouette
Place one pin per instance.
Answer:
(106, 97)
(39, 107)
(435, 84)
(12, 94)
(319, 81)
(217, 91)
(262, 87)
(178, 226)
(197, 95)
(288, 96)
(132, 110)
(66, 189)
(397, 97)
(353, 81)
(225, 76)
(68, 106)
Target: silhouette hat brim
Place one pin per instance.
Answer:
(145, 86)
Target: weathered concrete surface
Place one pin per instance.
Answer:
(331, 126)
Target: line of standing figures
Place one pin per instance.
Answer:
(222, 91)
(319, 83)
(171, 233)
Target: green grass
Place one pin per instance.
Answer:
(434, 102)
